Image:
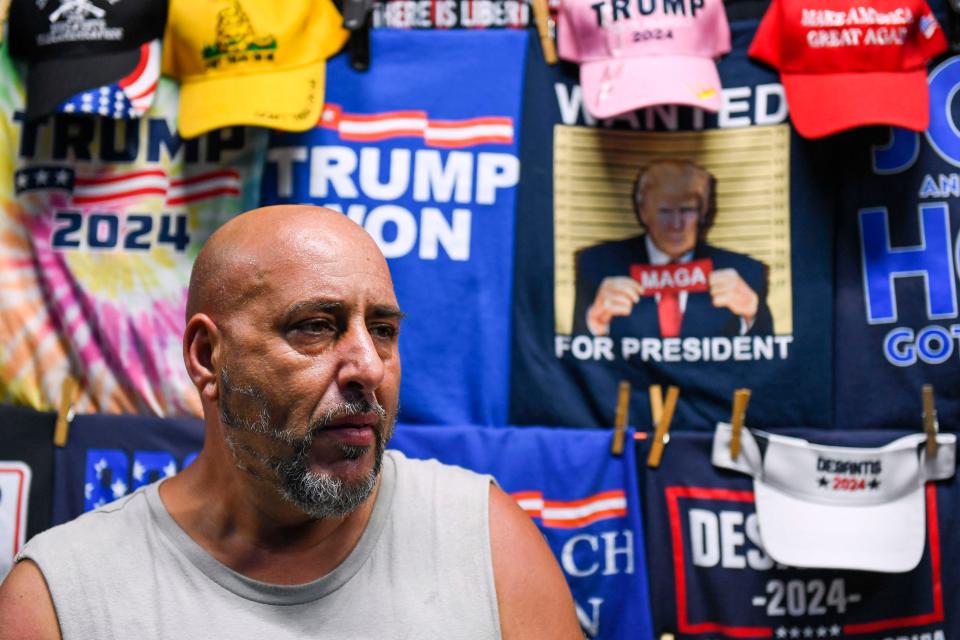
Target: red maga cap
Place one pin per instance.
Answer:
(850, 64)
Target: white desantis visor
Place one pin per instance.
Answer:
(839, 507)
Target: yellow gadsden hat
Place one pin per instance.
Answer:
(250, 62)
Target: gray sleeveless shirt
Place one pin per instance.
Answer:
(422, 569)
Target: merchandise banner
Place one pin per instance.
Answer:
(109, 456)
(421, 150)
(100, 220)
(26, 478)
(715, 580)
(898, 263)
(747, 299)
(451, 14)
(582, 497)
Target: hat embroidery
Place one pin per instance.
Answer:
(705, 93)
(77, 21)
(236, 39)
(928, 26)
(76, 10)
(611, 74)
(847, 475)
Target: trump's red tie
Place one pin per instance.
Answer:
(668, 311)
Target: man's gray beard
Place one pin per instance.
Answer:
(319, 495)
(323, 495)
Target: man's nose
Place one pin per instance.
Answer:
(361, 366)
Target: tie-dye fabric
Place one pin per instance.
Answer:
(101, 221)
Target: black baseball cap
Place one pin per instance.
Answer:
(73, 46)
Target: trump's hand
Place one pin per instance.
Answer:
(615, 297)
(728, 289)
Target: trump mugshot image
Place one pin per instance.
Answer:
(666, 280)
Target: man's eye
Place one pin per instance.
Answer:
(386, 331)
(316, 326)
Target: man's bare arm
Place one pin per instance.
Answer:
(532, 593)
(26, 609)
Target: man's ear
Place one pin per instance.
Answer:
(201, 344)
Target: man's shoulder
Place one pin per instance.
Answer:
(107, 527)
(432, 469)
(430, 488)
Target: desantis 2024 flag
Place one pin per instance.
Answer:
(421, 150)
(715, 580)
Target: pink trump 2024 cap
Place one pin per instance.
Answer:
(639, 53)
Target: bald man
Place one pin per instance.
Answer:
(674, 201)
(293, 522)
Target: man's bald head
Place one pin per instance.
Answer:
(236, 259)
(293, 325)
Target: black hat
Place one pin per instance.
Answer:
(77, 45)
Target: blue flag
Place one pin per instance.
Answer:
(421, 150)
(896, 271)
(107, 457)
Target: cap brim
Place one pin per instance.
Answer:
(824, 104)
(614, 87)
(289, 100)
(50, 82)
(888, 537)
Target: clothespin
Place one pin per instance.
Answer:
(661, 435)
(656, 403)
(68, 396)
(620, 418)
(930, 423)
(541, 17)
(741, 397)
(356, 19)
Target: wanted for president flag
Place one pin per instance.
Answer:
(582, 498)
(714, 579)
(421, 150)
(603, 294)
